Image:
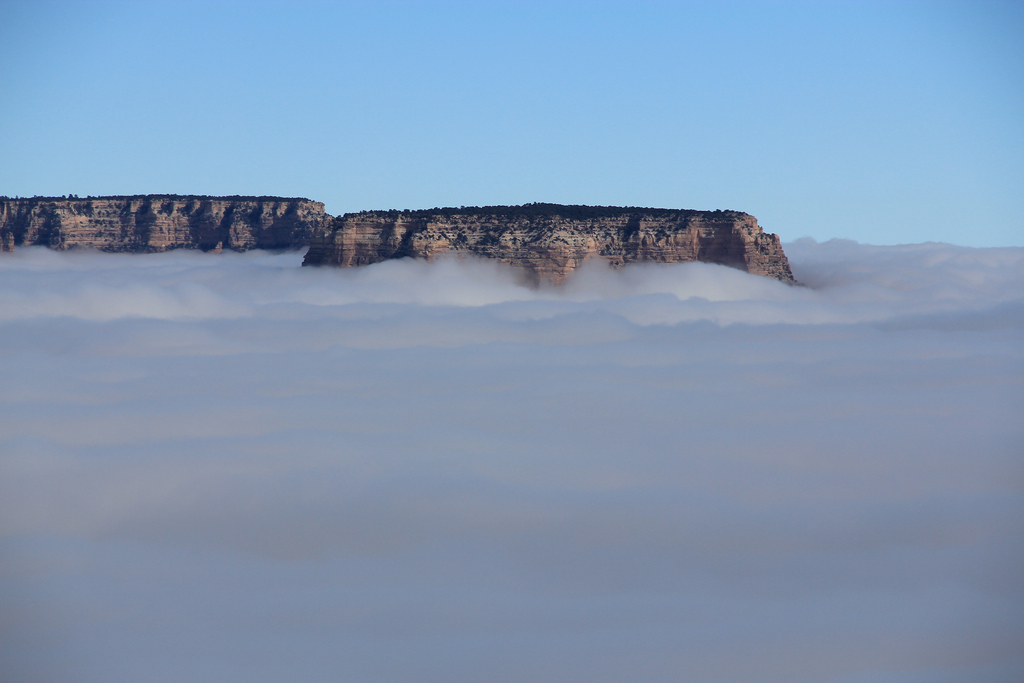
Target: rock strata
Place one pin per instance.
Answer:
(149, 223)
(549, 241)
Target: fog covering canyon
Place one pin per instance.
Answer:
(230, 468)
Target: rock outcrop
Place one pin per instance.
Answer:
(550, 240)
(149, 223)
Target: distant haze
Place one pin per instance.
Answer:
(231, 468)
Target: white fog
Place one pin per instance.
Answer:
(230, 468)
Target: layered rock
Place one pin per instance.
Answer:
(148, 223)
(549, 241)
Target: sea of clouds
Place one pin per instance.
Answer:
(230, 468)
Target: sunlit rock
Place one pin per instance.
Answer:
(150, 223)
(549, 241)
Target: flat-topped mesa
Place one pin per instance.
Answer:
(149, 223)
(552, 240)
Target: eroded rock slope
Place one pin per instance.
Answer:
(149, 223)
(549, 241)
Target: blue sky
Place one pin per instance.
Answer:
(879, 122)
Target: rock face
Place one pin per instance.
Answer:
(149, 223)
(550, 240)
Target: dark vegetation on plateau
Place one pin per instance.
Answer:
(541, 209)
(175, 197)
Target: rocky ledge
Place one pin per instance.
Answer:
(148, 223)
(549, 241)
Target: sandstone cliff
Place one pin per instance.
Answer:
(148, 223)
(550, 240)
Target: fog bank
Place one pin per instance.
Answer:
(230, 468)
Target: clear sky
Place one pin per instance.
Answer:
(885, 122)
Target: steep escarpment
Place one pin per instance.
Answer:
(551, 240)
(148, 223)
(548, 241)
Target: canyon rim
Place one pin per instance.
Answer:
(546, 241)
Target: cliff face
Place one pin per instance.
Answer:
(550, 241)
(159, 222)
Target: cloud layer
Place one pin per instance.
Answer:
(229, 468)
